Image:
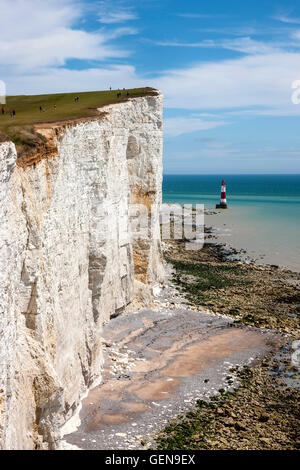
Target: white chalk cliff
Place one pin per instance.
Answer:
(68, 261)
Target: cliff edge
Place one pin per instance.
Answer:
(69, 261)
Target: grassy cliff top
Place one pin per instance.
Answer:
(20, 129)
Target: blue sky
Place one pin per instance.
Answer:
(225, 68)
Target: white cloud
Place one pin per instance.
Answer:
(204, 44)
(184, 125)
(32, 18)
(249, 46)
(291, 110)
(111, 13)
(296, 34)
(44, 36)
(39, 33)
(62, 80)
(251, 81)
(116, 17)
(286, 19)
(55, 48)
(244, 44)
(118, 32)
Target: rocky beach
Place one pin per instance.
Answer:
(263, 411)
(213, 363)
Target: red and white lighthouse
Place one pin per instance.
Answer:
(223, 201)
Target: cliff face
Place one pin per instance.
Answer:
(68, 261)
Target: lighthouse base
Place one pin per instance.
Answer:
(221, 206)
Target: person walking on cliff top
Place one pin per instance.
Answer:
(2, 110)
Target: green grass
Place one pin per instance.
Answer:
(20, 128)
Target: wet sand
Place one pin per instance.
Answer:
(158, 363)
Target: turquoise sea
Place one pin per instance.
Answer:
(263, 213)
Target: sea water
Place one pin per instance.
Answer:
(263, 215)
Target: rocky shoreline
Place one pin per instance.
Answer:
(211, 364)
(212, 279)
(264, 411)
(255, 416)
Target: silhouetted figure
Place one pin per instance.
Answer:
(127, 94)
(2, 110)
(13, 113)
(76, 99)
(55, 107)
(119, 94)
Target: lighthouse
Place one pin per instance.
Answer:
(223, 202)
